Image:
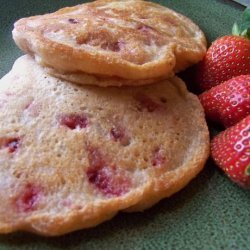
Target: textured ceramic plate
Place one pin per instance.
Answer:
(210, 213)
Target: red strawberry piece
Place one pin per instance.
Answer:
(228, 56)
(146, 103)
(73, 121)
(118, 133)
(28, 198)
(229, 102)
(73, 21)
(113, 46)
(101, 39)
(12, 144)
(109, 180)
(158, 158)
(231, 152)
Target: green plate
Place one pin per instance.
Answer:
(210, 213)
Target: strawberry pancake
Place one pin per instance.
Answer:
(134, 40)
(73, 156)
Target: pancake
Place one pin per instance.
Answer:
(73, 156)
(130, 39)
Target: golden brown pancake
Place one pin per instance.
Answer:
(73, 156)
(130, 39)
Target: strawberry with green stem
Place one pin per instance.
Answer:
(228, 56)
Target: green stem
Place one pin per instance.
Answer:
(243, 27)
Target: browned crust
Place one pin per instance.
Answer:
(99, 80)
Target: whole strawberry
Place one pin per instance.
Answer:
(228, 56)
(228, 102)
(231, 152)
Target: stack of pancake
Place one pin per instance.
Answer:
(93, 120)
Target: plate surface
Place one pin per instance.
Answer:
(210, 213)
